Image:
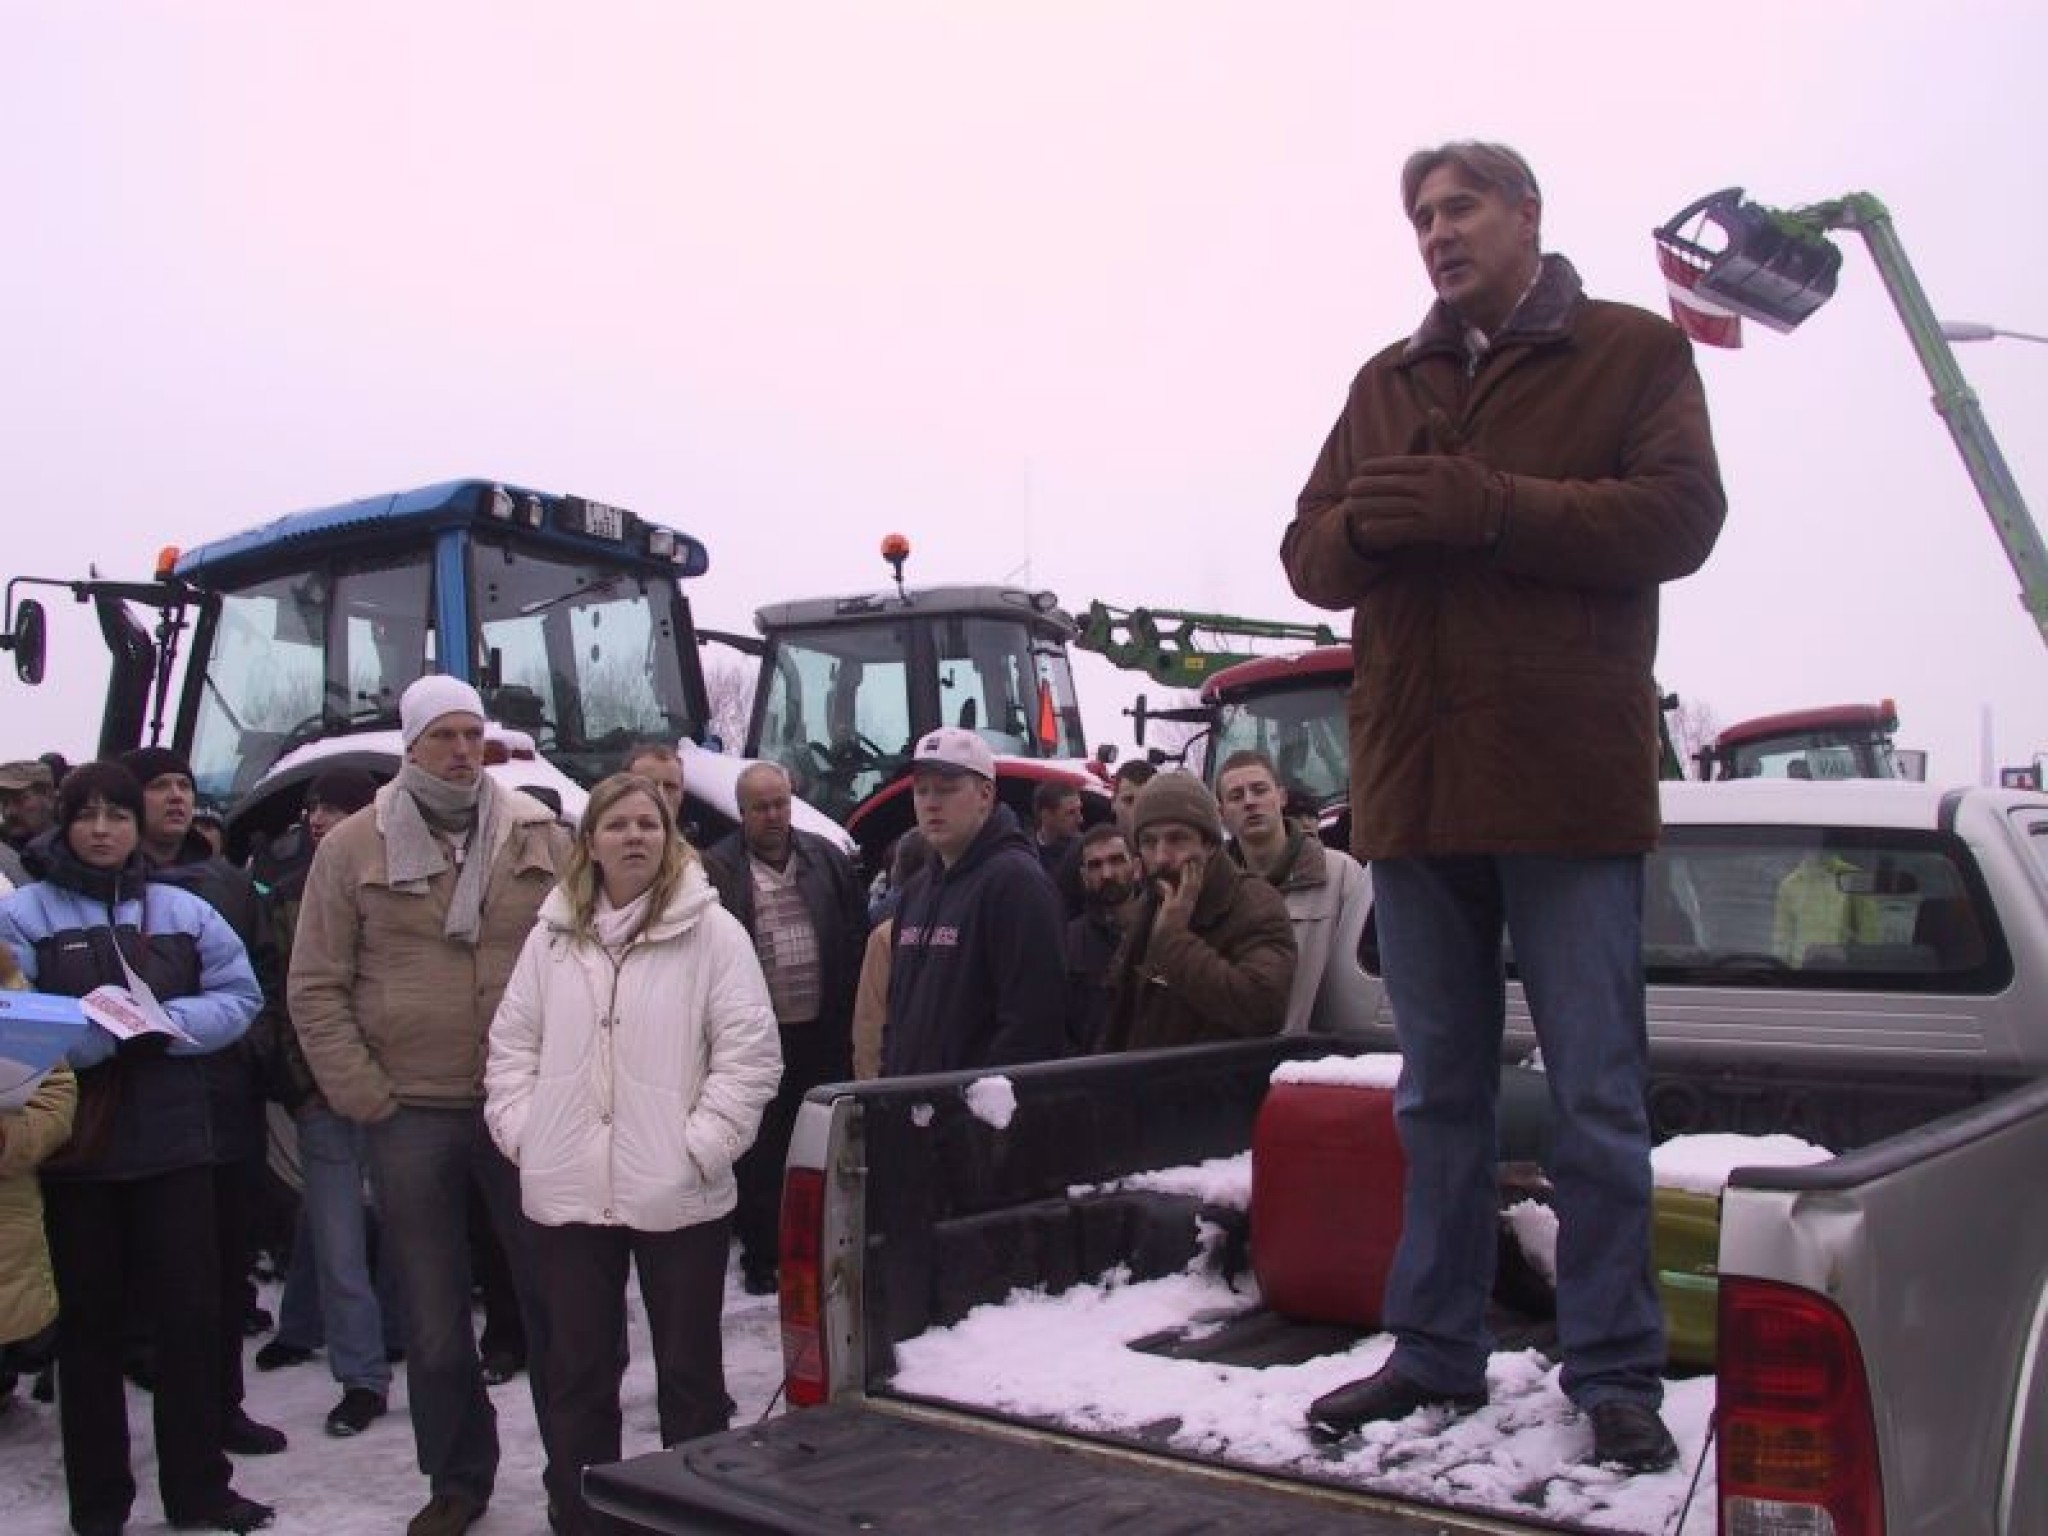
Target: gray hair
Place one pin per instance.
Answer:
(1492, 167)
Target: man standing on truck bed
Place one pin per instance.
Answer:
(1500, 499)
(974, 978)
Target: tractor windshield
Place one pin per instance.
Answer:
(580, 653)
(1302, 729)
(306, 655)
(845, 702)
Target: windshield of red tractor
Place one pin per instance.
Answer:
(1813, 755)
(846, 702)
(1302, 729)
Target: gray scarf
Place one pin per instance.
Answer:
(413, 855)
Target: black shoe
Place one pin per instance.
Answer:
(500, 1366)
(256, 1322)
(1382, 1396)
(277, 1354)
(1631, 1437)
(100, 1525)
(241, 1435)
(758, 1279)
(358, 1409)
(447, 1514)
(235, 1514)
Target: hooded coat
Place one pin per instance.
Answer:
(975, 978)
(1503, 700)
(626, 1086)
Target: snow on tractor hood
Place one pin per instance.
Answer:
(711, 778)
(714, 777)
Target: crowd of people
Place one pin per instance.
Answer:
(482, 1040)
(560, 1053)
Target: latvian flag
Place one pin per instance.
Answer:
(1697, 315)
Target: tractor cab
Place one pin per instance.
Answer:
(568, 615)
(849, 684)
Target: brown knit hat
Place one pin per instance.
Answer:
(1177, 797)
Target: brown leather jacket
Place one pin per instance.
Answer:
(1504, 700)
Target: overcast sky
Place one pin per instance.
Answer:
(1067, 292)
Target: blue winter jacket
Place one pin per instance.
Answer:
(190, 958)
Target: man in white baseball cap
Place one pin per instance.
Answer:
(975, 978)
(408, 930)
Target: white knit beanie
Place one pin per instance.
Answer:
(431, 697)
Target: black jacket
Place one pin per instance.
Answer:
(838, 907)
(976, 978)
(1091, 946)
(241, 1076)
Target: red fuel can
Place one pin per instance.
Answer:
(1327, 1173)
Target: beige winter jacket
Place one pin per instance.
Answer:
(388, 1010)
(28, 1294)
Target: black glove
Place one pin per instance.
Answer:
(1425, 499)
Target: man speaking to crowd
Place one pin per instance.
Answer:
(1499, 501)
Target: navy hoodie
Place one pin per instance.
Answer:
(976, 977)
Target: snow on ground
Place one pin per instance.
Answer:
(1062, 1358)
(370, 1485)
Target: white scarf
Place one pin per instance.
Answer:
(615, 927)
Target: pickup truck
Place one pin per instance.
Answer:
(1861, 965)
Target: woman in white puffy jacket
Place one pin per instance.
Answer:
(629, 1063)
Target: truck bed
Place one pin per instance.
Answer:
(891, 1468)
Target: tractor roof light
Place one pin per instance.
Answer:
(500, 505)
(1767, 266)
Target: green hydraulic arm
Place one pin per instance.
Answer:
(1182, 649)
(1778, 267)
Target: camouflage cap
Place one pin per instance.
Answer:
(28, 774)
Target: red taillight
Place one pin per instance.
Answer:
(1798, 1440)
(802, 1288)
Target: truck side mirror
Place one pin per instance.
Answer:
(28, 641)
(1106, 754)
(1139, 712)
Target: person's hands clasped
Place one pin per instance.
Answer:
(1409, 499)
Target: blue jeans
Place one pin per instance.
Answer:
(1576, 928)
(329, 1295)
(421, 1162)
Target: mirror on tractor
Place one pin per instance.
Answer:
(28, 640)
